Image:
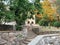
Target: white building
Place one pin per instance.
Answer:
(30, 21)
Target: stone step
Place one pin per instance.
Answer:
(23, 44)
(26, 41)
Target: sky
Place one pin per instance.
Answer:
(6, 2)
(42, 1)
(31, 1)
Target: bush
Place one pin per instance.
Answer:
(43, 22)
(56, 24)
(18, 28)
(52, 22)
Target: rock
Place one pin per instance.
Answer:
(5, 36)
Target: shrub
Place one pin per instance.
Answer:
(52, 22)
(56, 24)
(43, 22)
(18, 27)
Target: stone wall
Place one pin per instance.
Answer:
(45, 30)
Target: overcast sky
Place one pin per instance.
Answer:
(6, 2)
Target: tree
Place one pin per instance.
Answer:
(48, 10)
(1, 9)
(5, 15)
(58, 5)
(21, 8)
(38, 6)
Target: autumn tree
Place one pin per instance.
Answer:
(48, 9)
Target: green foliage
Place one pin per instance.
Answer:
(58, 5)
(9, 17)
(43, 22)
(52, 23)
(2, 10)
(21, 9)
(18, 10)
(45, 16)
(56, 24)
(58, 2)
(5, 15)
(38, 6)
(18, 27)
(58, 10)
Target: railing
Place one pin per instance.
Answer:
(46, 40)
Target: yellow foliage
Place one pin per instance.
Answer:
(47, 8)
(46, 5)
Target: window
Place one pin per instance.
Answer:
(32, 22)
(28, 22)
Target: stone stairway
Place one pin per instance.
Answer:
(26, 41)
(29, 38)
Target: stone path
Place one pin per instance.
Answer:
(16, 38)
(29, 38)
(11, 38)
